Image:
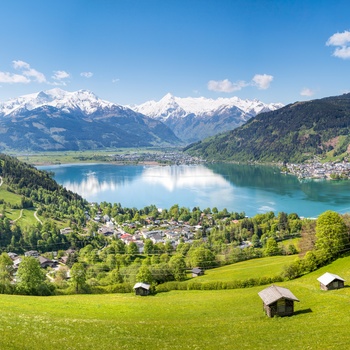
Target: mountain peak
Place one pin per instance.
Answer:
(193, 118)
(167, 97)
(83, 100)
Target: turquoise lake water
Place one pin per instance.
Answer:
(238, 188)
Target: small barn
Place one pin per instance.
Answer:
(196, 271)
(44, 262)
(142, 288)
(278, 301)
(329, 281)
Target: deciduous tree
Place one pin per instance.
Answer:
(31, 278)
(331, 234)
(78, 276)
(6, 270)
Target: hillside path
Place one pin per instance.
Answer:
(36, 217)
(20, 215)
(1, 182)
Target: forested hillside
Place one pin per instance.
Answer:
(36, 190)
(294, 133)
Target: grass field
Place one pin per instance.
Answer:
(78, 156)
(227, 319)
(264, 267)
(9, 197)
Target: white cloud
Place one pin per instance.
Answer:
(262, 81)
(6, 77)
(342, 52)
(20, 65)
(59, 76)
(86, 74)
(115, 80)
(225, 85)
(29, 72)
(307, 92)
(342, 43)
(339, 39)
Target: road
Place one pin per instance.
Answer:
(20, 215)
(36, 217)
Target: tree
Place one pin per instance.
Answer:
(178, 266)
(148, 246)
(132, 248)
(144, 275)
(282, 221)
(271, 247)
(168, 247)
(78, 276)
(308, 239)
(202, 257)
(331, 234)
(31, 278)
(6, 270)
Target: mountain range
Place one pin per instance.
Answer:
(60, 120)
(295, 133)
(193, 119)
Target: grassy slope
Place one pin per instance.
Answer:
(269, 267)
(9, 197)
(228, 319)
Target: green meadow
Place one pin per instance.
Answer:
(256, 268)
(22, 217)
(225, 319)
(9, 197)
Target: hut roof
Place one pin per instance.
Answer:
(274, 293)
(328, 277)
(142, 285)
(197, 270)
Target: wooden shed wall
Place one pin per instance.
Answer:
(336, 284)
(141, 291)
(282, 307)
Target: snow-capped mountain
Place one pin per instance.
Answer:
(82, 100)
(60, 120)
(193, 119)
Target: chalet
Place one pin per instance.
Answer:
(278, 301)
(196, 271)
(106, 218)
(329, 281)
(16, 263)
(32, 253)
(142, 288)
(126, 238)
(106, 231)
(157, 238)
(44, 263)
(13, 256)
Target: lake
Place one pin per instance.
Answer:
(238, 188)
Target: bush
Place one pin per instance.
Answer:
(119, 288)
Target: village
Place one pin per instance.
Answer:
(157, 231)
(317, 170)
(170, 157)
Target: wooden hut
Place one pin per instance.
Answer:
(142, 288)
(278, 301)
(329, 281)
(196, 271)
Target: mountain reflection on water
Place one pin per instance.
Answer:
(252, 189)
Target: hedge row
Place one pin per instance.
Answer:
(217, 285)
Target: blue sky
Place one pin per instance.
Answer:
(131, 51)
